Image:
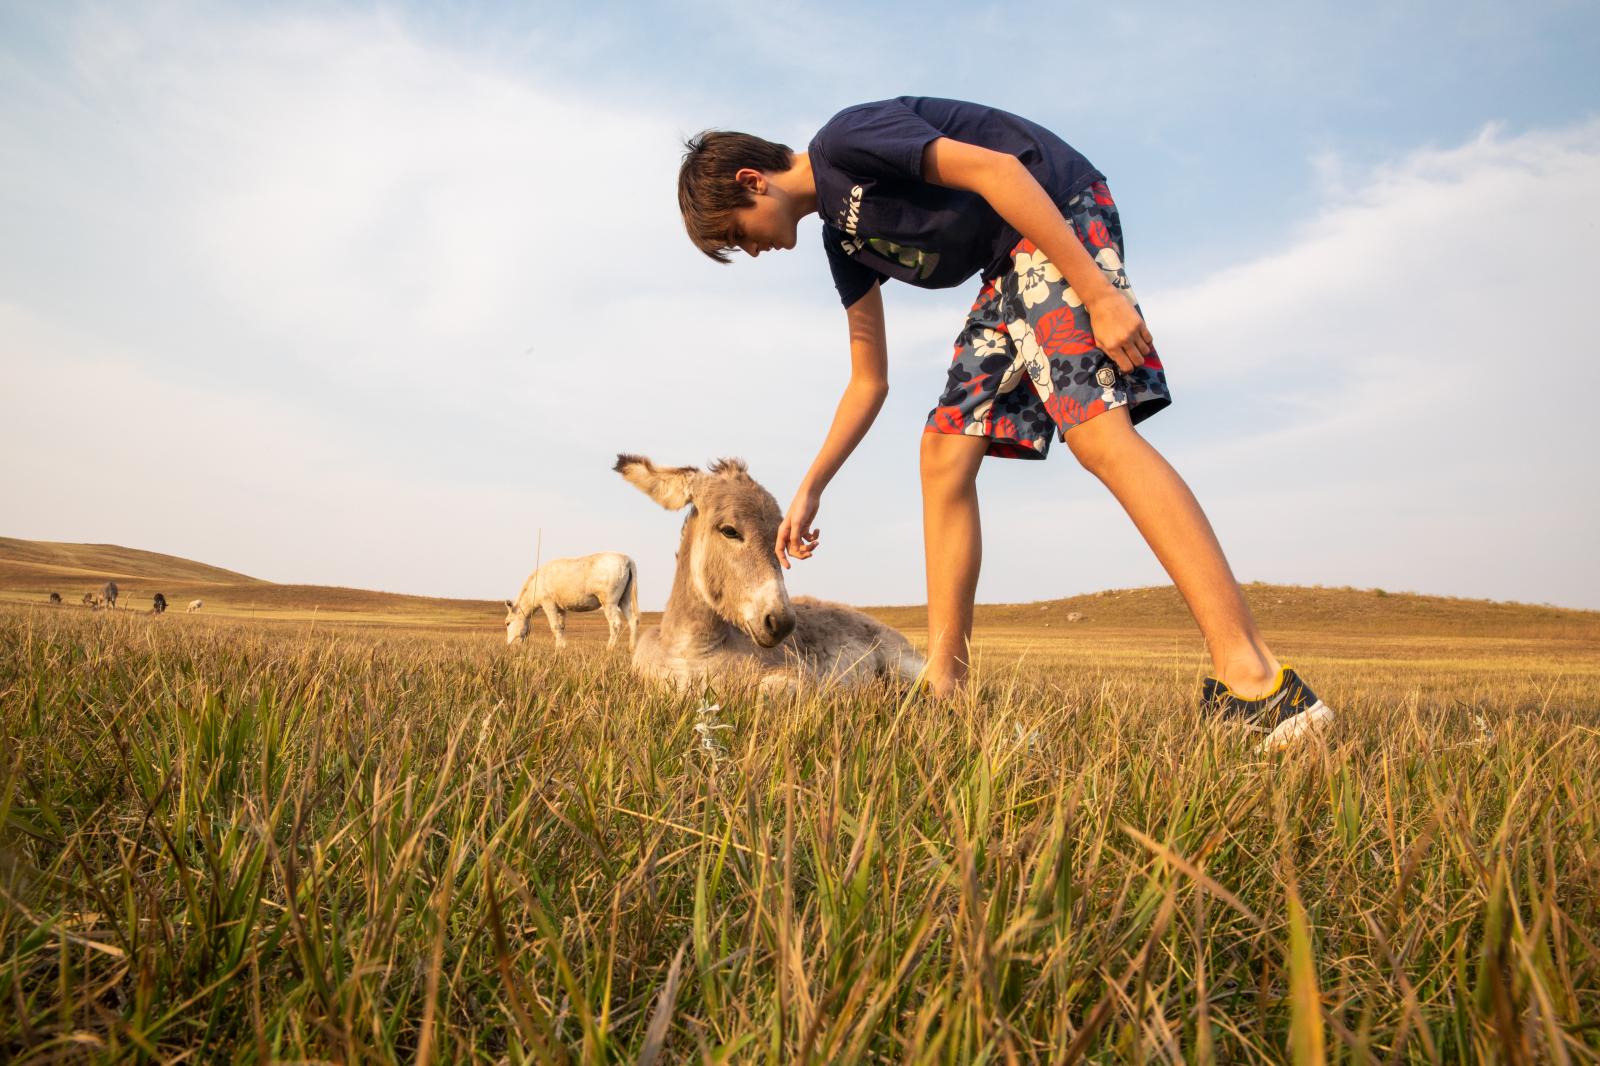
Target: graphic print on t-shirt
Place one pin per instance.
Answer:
(924, 263)
(848, 220)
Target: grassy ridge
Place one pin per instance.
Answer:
(31, 570)
(266, 843)
(64, 562)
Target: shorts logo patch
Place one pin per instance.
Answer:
(1105, 377)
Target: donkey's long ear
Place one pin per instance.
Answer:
(671, 487)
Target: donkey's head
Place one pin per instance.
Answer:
(516, 622)
(727, 541)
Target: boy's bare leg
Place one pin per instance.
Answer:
(1172, 523)
(953, 544)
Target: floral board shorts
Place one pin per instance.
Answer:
(1026, 361)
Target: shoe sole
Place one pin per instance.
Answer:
(1291, 730)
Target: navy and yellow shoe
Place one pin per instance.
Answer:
(1288, 713)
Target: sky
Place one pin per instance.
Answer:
(373, 294)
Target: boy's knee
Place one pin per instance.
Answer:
(950, 459)
(1098, 442)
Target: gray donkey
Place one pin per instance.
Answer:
(729, 615)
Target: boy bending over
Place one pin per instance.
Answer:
(931, 192)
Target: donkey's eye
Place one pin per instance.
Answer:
(730, 533)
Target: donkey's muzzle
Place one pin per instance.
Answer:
(775, 625)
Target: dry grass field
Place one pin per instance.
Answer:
(347, 829)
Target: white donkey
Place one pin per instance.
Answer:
(606, 581)
(729, 614)
(195, 605)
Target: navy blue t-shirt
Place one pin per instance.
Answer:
(880, 219)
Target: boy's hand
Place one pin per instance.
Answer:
(795, 535)
(1119, 330)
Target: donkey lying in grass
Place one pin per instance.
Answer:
(729, 614)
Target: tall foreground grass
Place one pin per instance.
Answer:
(250, 845)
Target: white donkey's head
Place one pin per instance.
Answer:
(728, 537)
(517, 622)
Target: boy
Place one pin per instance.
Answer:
(931, 192)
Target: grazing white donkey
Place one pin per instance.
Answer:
(195, 605)
(729, 614)
(606, 581)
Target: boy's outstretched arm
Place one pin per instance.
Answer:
(1017, 197)
(862, 399)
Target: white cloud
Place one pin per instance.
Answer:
(1438, 239)
(345, 185)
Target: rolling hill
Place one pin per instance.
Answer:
(51, 561)
(30, 570)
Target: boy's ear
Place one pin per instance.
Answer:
(671, 487)
(752, 179)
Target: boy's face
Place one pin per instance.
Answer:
(766, 224)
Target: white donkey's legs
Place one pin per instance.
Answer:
(613, 624)
(558, 623)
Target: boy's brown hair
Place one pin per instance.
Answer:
(707, 193)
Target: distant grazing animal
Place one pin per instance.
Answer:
(607, 581)
(55, 597)
(195, 605)
(159, 604)
(729, 613)
(110, 594)
(91, 601)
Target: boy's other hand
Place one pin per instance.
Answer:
(1120, 331)
(795, 536)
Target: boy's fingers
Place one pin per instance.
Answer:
(796, 546)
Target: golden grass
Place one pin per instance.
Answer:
(251, 841)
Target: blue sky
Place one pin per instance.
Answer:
(371, 294)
